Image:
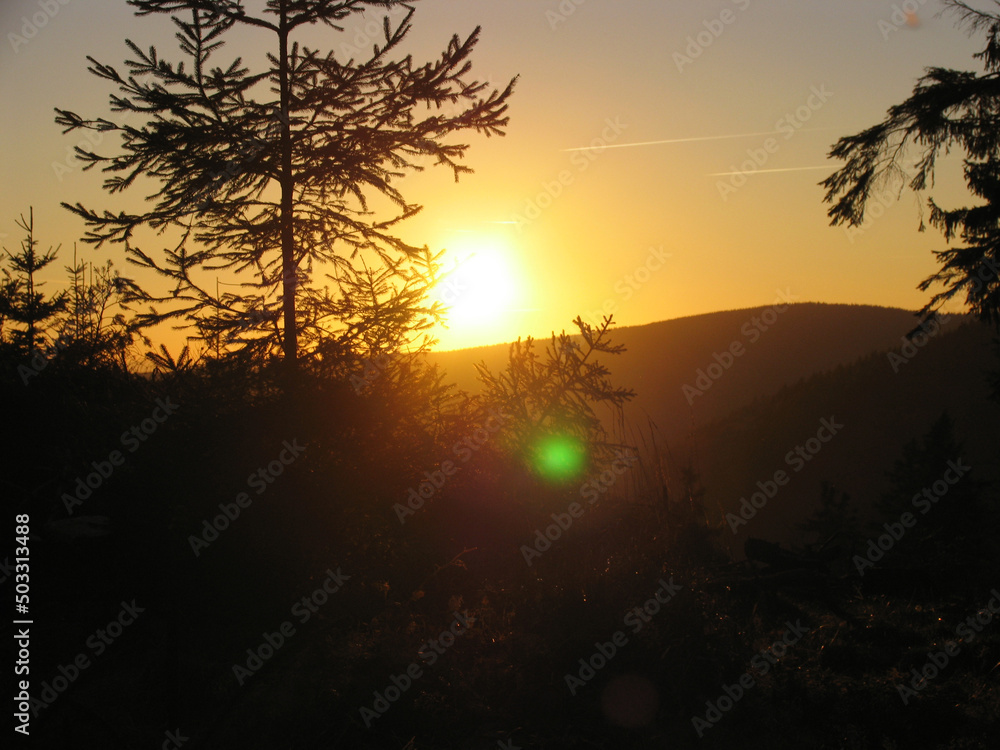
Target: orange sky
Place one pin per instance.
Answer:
(611, 188)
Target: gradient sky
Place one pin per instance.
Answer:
(653, 231)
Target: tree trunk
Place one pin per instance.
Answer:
(290, 343)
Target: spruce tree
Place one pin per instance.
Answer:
(550, 401)
(949, 109)
(273, 173)
(23, 301)
(933, 482)
(91, 328)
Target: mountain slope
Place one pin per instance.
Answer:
(778, 346)
(737, 391)
(879, 403)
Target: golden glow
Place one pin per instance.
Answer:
(572, 226)
(479, 290)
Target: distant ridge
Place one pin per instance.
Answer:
(738, 416)
(662, 357)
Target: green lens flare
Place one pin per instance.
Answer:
(559, 458)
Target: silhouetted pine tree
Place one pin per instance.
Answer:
(273, 173)
(556, 395)
(9, 287)
(932, 482)
(689, 533)
(23, 301)
(92, 332)
(948, 109)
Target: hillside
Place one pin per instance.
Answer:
(880, 408)
(737, 416)
(661, 358)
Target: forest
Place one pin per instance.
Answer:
(299, 524)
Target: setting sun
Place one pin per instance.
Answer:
(478, 289)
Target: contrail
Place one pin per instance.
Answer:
(758, 171)
(687, 140)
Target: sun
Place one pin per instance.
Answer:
(478, 290)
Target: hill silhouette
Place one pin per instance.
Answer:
(734, 392)
(661, 358)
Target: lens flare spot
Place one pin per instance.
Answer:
(559, 458)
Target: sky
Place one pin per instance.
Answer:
(662, 157)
